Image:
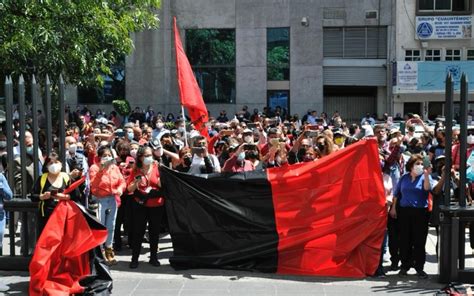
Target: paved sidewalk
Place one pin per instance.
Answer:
(164, 280)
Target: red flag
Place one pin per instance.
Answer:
(61, 257)
(189, 91)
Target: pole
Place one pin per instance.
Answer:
(9, 129)
(49, 118)
(62, 128)
(185, 132)
(35, 127)
(448, 138)
(22, 113)
(463, 141)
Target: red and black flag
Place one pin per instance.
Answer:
(324, 218)
(67, 258)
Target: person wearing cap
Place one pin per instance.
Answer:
(237, 161)
(339, 139)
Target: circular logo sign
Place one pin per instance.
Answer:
(424, 30)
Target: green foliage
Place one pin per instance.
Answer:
(122, 107)
(278, 57)
(80, 39)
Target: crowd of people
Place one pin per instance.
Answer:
(120, 162)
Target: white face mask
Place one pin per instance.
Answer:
(470, 139)
(133, 153)
(148, 160)
(72, 148)
(54, 168)
(418, 169)
(106, 159)
(248, 139)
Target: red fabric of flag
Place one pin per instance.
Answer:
(190, 94)
(330, 214)
(61, 255)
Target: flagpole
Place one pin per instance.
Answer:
(185, 132)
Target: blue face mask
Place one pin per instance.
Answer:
(81, 151)
(241, 156)
(29, 150)
(130, 136)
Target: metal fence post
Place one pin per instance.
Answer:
(35, 128)
(22, 146)
(62, 128)
(48, 116)
(9, 129)
(448, 137)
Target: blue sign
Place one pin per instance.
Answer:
(424, 30)
(432, 75)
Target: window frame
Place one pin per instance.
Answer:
(452, 56)
(420, 12)
(433, 49)
(197, 67)
(467, 54)
(412, 56)
(268, 66)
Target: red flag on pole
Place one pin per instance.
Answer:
(189, 91)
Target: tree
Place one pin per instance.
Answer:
(81, 40)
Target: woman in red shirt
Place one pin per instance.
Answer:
(107, 185)
(147, 202)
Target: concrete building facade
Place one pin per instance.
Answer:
(339, 54)
(432, 39)
(151, 71)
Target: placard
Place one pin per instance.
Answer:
(443, 27)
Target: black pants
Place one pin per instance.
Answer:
(122, 219)
(413, 224)
(142, 215)
(393, 240)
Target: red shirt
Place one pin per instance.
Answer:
(152, 181)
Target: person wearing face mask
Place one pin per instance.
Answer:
(237, 162)
(159, 128)
(143, 186)
(339, 139)
(456, 147)
(107, 185)
(48, 189)
(185, 158)
(411, 194)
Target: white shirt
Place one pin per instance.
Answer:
(198, 162)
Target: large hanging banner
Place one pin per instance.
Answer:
(324, 218)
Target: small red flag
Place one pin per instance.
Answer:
(189, 91)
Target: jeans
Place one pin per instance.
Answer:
(2, 228)
(107, 216)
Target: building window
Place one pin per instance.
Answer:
(412, 55)
(279, 100)
(278, 54)
(453, 54)
(211, 53)
(355, 42)
(470, 55)
(113, 88)
(433, 55)
(444, 6)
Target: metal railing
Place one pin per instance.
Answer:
(453, 219)
(21, 205)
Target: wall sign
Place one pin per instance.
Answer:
(444, 27)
